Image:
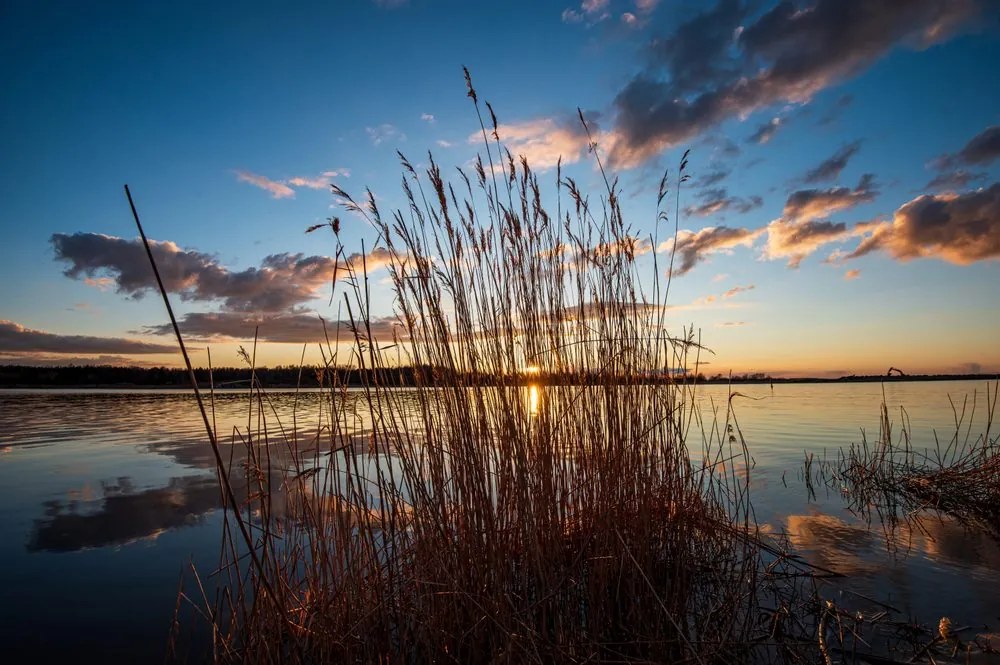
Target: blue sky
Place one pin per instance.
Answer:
(815, 129)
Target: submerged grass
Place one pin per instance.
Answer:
(484, 516)
(959, 477)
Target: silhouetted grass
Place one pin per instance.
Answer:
(462, 521)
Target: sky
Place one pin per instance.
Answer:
(842, 216)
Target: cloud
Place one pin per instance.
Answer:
(278, 190)
(830, 168)
(293, 328)
(765, 132)
(444, 144)
(282, 189)
(981, 150)
(590, 11)
(427, 117)
(722, 145)
(808, 204)
(716, 201)
(99, 283)
(731, 324)
(384, 132)
(543, 141)
(630, 19)
(720, 277)
(281, 282)
(797, 240)
(17, 339)
(736, 290)
(712, 178)
(957, 228)
(694, 247)
(124, 515)
(836, 109)
(801, 231)
(646, 6)
(952, 180)
(63, 360)
(709, 70)
(852, 274)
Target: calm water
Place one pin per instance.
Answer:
(105, 497)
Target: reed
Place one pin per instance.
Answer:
(488, 514)
(960, 476)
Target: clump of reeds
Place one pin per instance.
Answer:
(489, 515)
(960, 476)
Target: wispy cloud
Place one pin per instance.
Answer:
(830, 168)
(736, 290)
(286, 327)
(852, 274)
(952, 180)
(712, 178)
(427, 117)
(727, 63)
(278, 190)
(718, 201)
(384, 132)
(281, 189)
(18, 339)
(589, 12)
(981, 150)
(280, 282)
(957, 228)
(766, 131)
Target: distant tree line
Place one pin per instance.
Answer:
(290, 376)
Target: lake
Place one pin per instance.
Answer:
(107, 496)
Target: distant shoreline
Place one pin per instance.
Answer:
(18, 377)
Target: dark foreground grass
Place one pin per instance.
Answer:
(603, 520)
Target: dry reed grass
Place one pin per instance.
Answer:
(960, 476)
(491, 517)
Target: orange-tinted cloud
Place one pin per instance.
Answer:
(281, 282)
(694, 247)
(797, 240)
(958, 228)
(542, 141)
(278, 190)
(808, 204)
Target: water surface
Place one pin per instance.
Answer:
(106, 497)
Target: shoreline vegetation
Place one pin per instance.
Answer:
(472, 519)
(281, 377)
